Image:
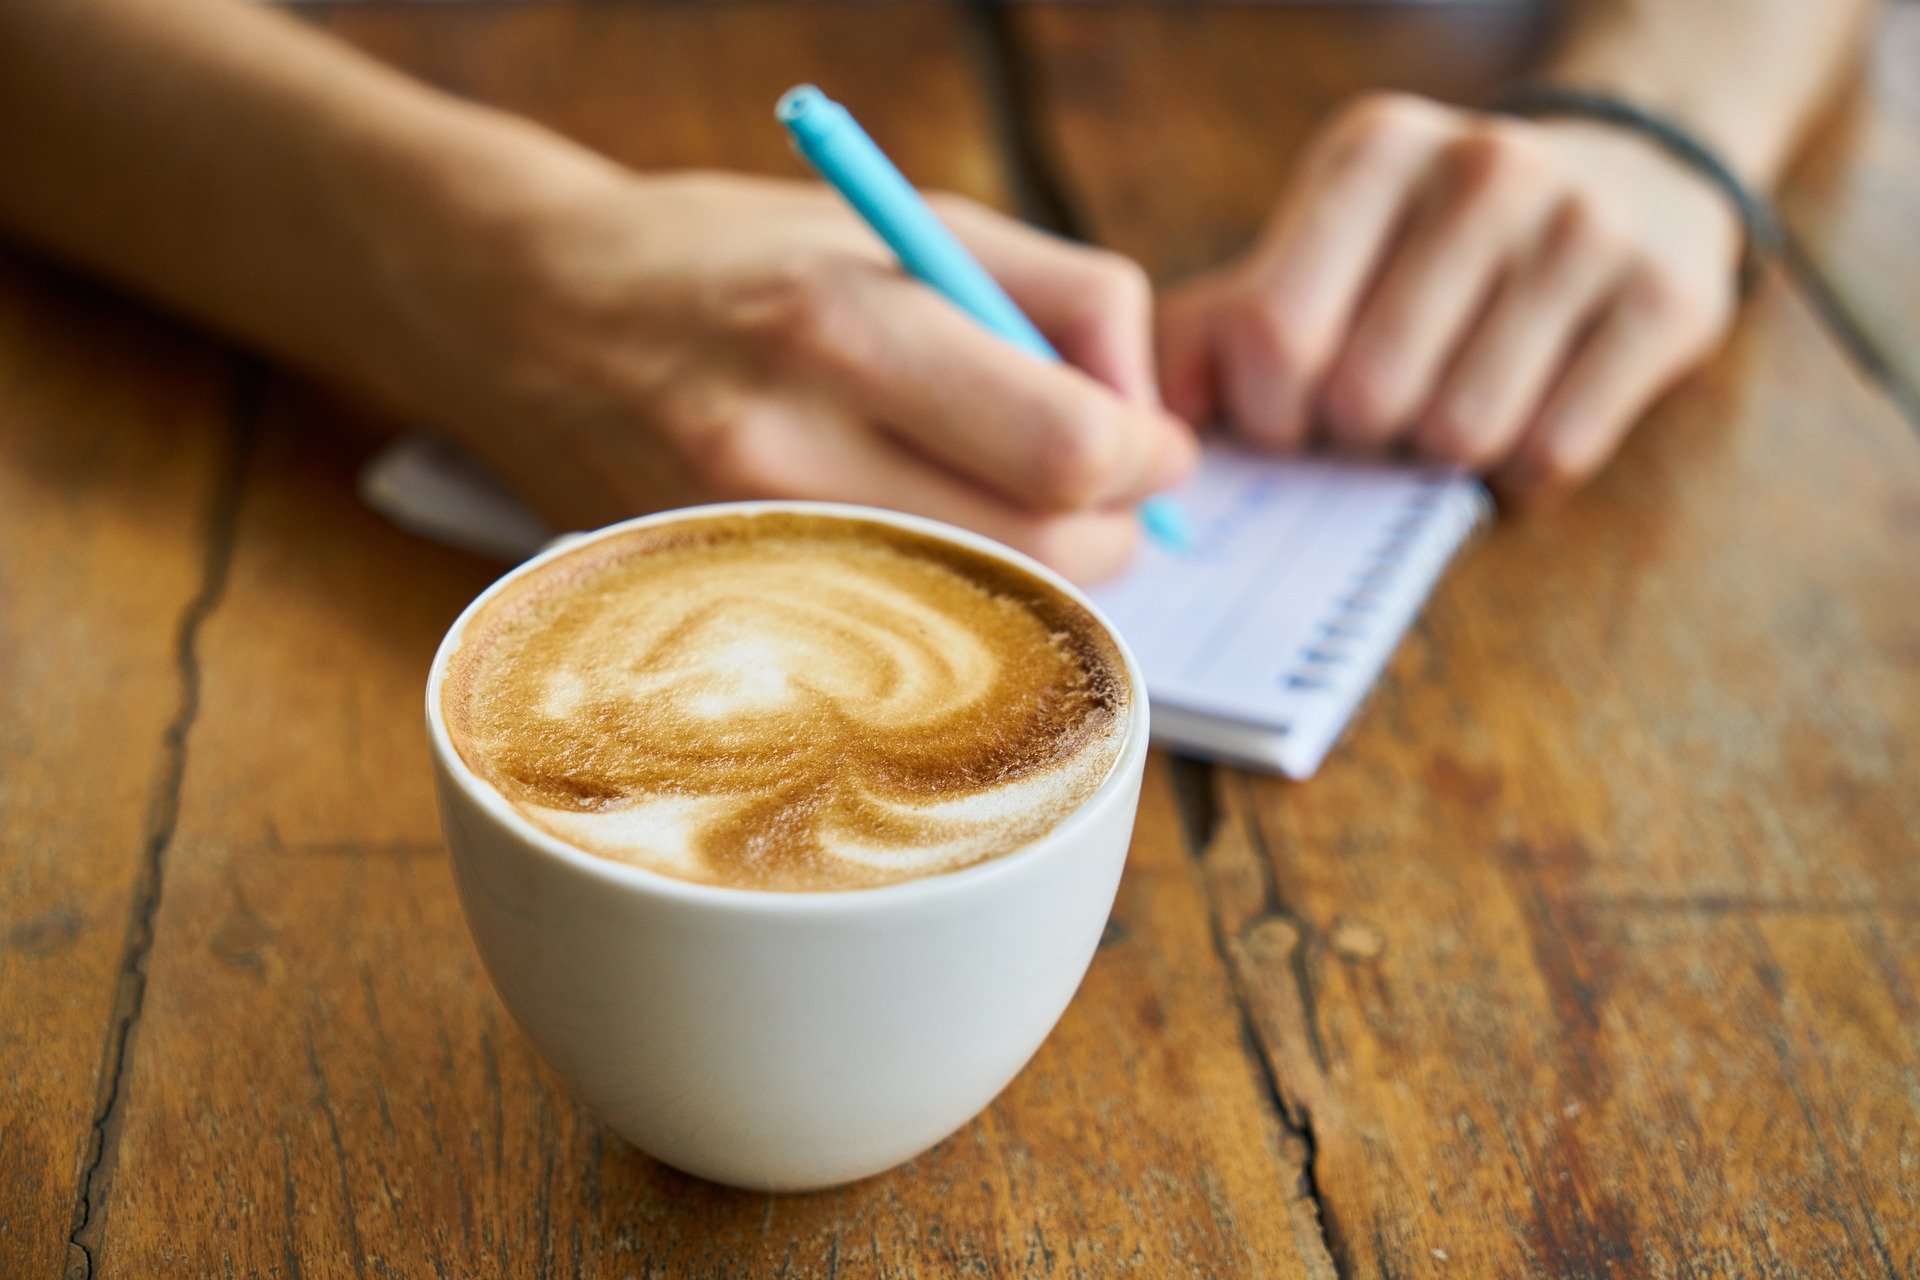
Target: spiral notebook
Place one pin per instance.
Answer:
(1259, 643)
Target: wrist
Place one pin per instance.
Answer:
(463, 237)
(1743, 138)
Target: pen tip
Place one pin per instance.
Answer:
(1167, 524)
(797, 101)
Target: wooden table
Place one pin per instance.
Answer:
(1593, 952)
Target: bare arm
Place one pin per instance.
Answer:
(612, 342)
(1749, 76)
(242, 169)
(1503, 294)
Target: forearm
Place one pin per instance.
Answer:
(232, 164)
(1749, 76)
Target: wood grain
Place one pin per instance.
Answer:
(1592, 951)
(326, 1086)
(113, 440)
(682, 85)
(1853, 199)
(1109, 88)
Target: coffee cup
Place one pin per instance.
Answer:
(777, 1040)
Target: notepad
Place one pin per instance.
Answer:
(1259, 643)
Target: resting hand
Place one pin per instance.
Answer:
(707, 337)
(1499, 294)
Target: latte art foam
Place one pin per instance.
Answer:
(787, 701)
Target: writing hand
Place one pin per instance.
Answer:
(711, 337)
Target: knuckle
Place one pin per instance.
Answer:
(1515, 143)
(1114, 287)
(1568, 459)
(1497, 158)
(737, 455)
(1358, 406)
(1587, 226)
(1274, 336)
(1659, 291)
(1468, 161)
(808, 313)
(1454, 434)
(1046, 540)
(1693, 312)
(1371, 394)
(1124, 280)
(1373, 128)
(1711, 313)
(1082, 549)
(1074, 460)
(1388, 114)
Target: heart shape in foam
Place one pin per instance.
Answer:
(732, 654)
(811, 706)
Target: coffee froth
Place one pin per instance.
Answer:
(787, 701)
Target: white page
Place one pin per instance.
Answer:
(1305, 576)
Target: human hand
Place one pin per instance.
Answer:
(710, 337)
(1499, 294)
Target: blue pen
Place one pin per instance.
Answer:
(832, 141)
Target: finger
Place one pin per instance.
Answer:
(1631, 356)
(1507, 364)
(1095, 306)
(1328, 234)
(1086, 546)
(1185, 355)
(1488, 193)
(1043, 434)
(822, 452)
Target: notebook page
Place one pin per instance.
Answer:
(1305, 575)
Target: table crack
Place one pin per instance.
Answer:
(1293, 1115)
(1293, 1111)
(1006, 73)
(1043, 196)
(130, 981)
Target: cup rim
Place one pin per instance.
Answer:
(776, 901)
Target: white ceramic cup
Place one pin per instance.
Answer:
(784, 1041)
